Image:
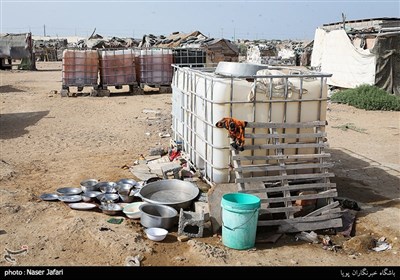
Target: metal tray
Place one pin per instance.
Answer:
(69, 191)
(70, 198)
(82, 206)
(49, 196)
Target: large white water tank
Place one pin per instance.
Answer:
(200, 98)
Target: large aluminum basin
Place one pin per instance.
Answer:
(175, 193)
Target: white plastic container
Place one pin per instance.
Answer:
(201, 98)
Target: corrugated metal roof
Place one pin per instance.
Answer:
(363, 20)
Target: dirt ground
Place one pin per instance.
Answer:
(48, 142)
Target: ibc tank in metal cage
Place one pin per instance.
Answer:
(188, 57)
(117, 67)
(201, 97)
(154, 66)
(80, 68)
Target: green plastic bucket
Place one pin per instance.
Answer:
(239, 220)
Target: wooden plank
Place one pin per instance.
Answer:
(284, 157)
(238, 174)
(269, 167)
(331, 211)
(293, 209)
(299, 220)
(255, 186)
(270, 238)
(293, 188)
(324, 194)
(269, 136)
(288, 177)
(285, 125)
(283, 172)
(285, 146)
(324, 208)
(334, 223)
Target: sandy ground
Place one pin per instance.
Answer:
(48, 142)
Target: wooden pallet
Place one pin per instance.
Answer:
(162, 88)
(95, 91)
(133, 87)
(283, 176)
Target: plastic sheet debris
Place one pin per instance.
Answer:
(329, 245)
(326, 241)
(311, 237)
(381, 245)
(115, 221)
(348, 218)
(348, 203)
(133, 261)
(164, 135)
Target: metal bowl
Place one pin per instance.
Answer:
(132, 210)
(127, 192)
(69, 191)
(156, 215)
(107, 187)
(90, 195)
(70, 198)
(89, 185)
(156, 234)
(107, 197)
(111, 208)
(128, 181)
(127, 198)
(124, 188)
(237, 69)
(175, 193)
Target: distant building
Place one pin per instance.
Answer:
(359, 52)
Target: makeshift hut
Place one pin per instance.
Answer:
(17, 47)
(260, 54)
(360, 52)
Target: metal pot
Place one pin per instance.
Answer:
(89, 185)
(107, 187)
(160, 216)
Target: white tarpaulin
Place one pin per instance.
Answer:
(318, 47)
(349, 66)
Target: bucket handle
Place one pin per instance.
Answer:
(233, 229)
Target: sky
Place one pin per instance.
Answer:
(284, 19)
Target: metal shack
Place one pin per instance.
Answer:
(216, 50)
(16, 47)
